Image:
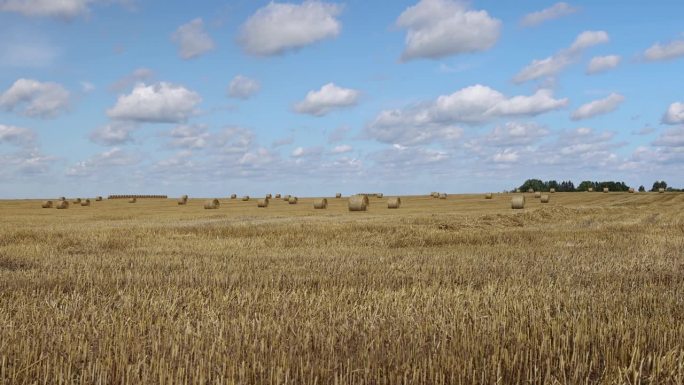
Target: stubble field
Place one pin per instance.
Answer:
(586, 289)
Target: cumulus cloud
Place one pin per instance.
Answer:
(603, 63)
(35, 99)
(328, 98)
(62, 9)
(674, 114)
(440, 28)
(115, 157)
(281, 27)
(192, 39)
(157, 103)
(115, 133)
(667, 51)
(515, 134)
(29, 161)
(673, 137)
(342, 149)
(553, 65)
(598, 107)
(16, 135)
(437, 120)
(190, 136)
(242, 87)
(553, 12)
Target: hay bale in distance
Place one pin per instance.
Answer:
(380, 195)
(62, 205)
(631, 190)
(518, 190)
(262, 202)
(530, 190)
(233, 196)
(545, 198)
(212, 204)
(357, 203)
(77, 201)
(394, 203)
(489, 196)
(98, 199)
(245, 198)
(269, 196)
(277, 196)
(605, 189)
(85, 203)
(47, 205)
(132, 200)
(443, 196)
(287, 197)
(590, 189)
(518, 202)
(338, 195)
(552, 191)
(537, 194)
(661, 190)
(61, 199)
(292, 200)
(434, 194)
(320, 204)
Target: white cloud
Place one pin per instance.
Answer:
(44, 100)
(671, 50)
(297, 152)
(553, 65)
(157, 103)
(603, 63)
(328, 98)
(281, 27)
(115, 157)
(506, 156)
(673, 137)
(16, 135)
(598, 107)
(553, 12)
(436, 120)
(342, 149)
(439, 28)
(140, 75)
(116, 133)
(63, 9)
(190, 136)
(515, 134)
(242, 87)
(674, 114)
(87, 87)
(26, 48)
(192, 39)
(27, 162)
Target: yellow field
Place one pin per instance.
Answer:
(586, 289)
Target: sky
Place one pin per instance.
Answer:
(209, 98)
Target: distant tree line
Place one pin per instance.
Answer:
(569, 186)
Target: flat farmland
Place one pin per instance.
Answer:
(588, 288)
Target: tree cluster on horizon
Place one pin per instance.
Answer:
(569, 186)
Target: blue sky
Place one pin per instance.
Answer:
(310, 98)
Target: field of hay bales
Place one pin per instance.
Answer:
(586, 289)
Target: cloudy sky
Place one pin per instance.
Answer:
(211, 97)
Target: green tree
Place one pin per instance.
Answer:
(658, 185)
(642, 188)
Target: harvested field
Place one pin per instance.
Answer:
(588, 288)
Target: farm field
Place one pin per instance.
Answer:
(587, 289)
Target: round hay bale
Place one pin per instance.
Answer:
(434, 194)
(590, 189)
(320, 203)
(47, 205)
(292, 200)
(85, 203)
(605, 189)
(489, 196)
(77, 201)
(338, 195)
(357, 203)
(262, 202)
(182, 202)
(530, 190)
(537, 194)
(277, 196)
(98, 199)
(245, 198)
(62, 205)
(184, 197)
(132, 200)
(233, 196)
(631, 190)
(380, 195)
(394, 203)
(287, 197)
(518, 190)
(443, 196)
(661, 190)
(545, 198)
(212, 204)
(552, 191)
(269, 196)
(518, 202)
(61, 199)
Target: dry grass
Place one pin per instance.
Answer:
(587, 289)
